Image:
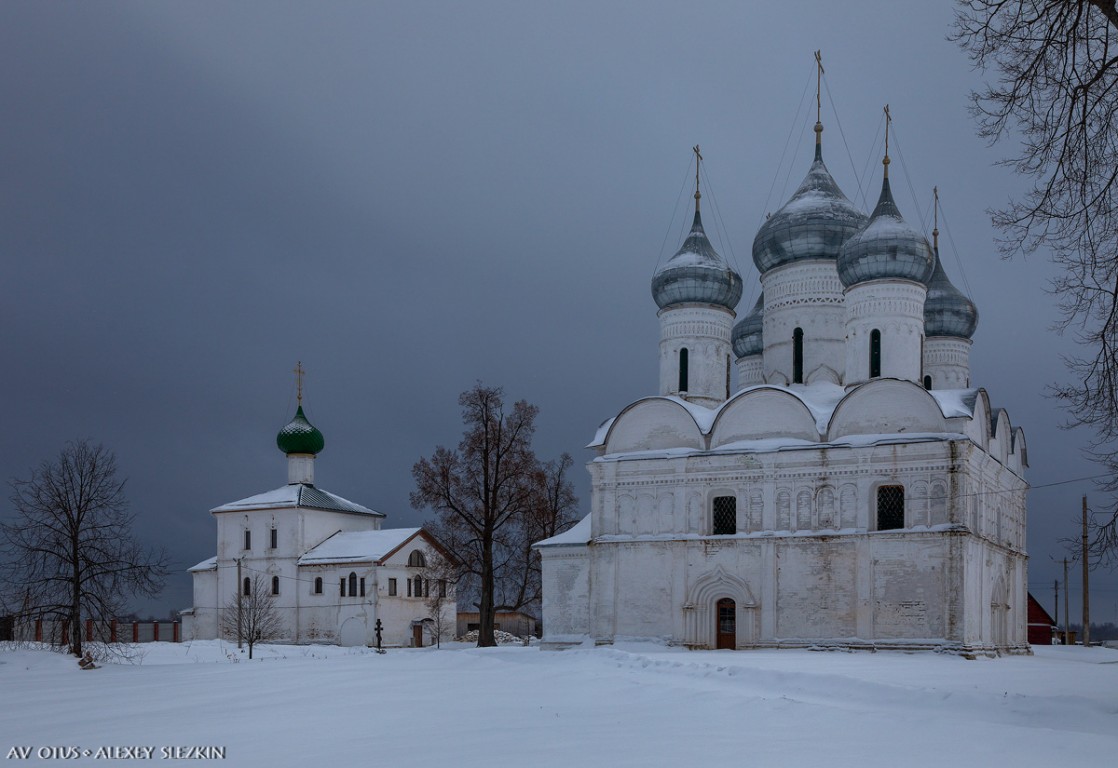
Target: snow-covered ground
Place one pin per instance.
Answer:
(630, 705)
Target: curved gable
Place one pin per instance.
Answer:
(885, 407)
(978, 429)
(763, 413)
(1001, 435)
(655, 423)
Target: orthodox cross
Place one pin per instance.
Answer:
(299, 372)
(818, 85)
(888, 120)
(935, 219)
(698, 159)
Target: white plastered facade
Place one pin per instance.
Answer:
(818, 554)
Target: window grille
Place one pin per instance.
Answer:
(725, 516)
(890, 507)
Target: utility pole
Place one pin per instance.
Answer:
(1056, 594)
(240, 616)
(1086, 594)
(1067, 631)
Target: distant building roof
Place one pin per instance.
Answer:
(359, 546)
(297, 495)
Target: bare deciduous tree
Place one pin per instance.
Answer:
(487, 495)
(1056, 89)
(251, 615)
(70, 552)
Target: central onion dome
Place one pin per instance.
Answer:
(947, 312)
(696, 275)
(812, 225)
(300, 436)
(887, 247)
(746, 337)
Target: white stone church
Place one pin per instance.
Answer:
(331, 570)
(854, 491)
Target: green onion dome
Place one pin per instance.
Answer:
(300, 436)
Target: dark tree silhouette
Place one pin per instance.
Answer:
(70, 552)
(1055, 64)
(252, 617)
(491, 499)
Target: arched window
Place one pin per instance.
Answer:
(418, 590)
(927, 382)
(724, 516)
(353, 585)
(416, 559)
(318, 585)
(275, 585)
(246, 587)
(798, 356)
(875, 353)
(683, 370)
(890, 507)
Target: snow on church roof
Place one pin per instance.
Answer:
(297, 495)
(579, 533)
(209, 564)
(358, 546)
(820, 399)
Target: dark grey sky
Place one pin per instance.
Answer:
(410, 197)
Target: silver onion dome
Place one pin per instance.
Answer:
(947, 312)
(813, 224)
(887, 247)
(696, 275)
(746, 338)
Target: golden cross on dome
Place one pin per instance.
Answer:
(935, 219)
(818, 85)
(698, 159)
(299, 373)
(888, 120)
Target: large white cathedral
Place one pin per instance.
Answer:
(854, 491)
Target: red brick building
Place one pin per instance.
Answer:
(1041, 625)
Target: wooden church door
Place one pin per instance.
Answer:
(727, 629)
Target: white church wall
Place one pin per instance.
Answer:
(566, 594)
(896, 310)
(704, 331)
(805, 295)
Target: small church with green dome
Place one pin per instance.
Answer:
(331, 571)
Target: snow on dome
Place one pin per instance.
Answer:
(887, 247)
(746, 338)
(947, 312)
(813, 224)
(696, 275)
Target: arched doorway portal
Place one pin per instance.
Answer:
(726, 629)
